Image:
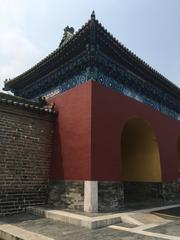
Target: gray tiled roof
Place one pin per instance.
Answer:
(24, 103)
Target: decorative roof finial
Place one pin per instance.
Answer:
(68, 33)
(93, 17)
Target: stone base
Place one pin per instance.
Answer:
(71, 194)
(76, 218)
(146, 191)
(67, 194)
(110, 196)
(170, 192)
(91, 196)
(106, 196)
(142, 191)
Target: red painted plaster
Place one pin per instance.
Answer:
(89, 125)
(110, 112)
(72, 144)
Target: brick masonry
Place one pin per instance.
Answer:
(67, 194)
(70, 194)
(170, 192)
(146, 191)
(110, 196)
(25, 154)
(142, 191)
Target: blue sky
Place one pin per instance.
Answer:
(31, 29)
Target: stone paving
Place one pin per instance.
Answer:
(172, 228)
(170, 211)
(61, 231)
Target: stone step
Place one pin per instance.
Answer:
(11, 232)
(76, 219)
(148, 218)
(138, 217)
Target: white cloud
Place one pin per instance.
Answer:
(17, 51)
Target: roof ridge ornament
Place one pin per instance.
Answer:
(68, 33)
(91, 46)
(93, 16)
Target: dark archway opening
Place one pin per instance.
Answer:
(140, 161)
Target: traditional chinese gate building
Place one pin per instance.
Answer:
(117, 133)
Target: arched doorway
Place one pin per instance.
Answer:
(141, 166)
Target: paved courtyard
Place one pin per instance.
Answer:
(62, 231)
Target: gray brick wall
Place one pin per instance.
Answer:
(26, 140)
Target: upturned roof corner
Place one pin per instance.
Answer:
(91, 45)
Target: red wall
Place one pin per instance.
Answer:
(110, 111)
(88, 135)
(72, 143)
